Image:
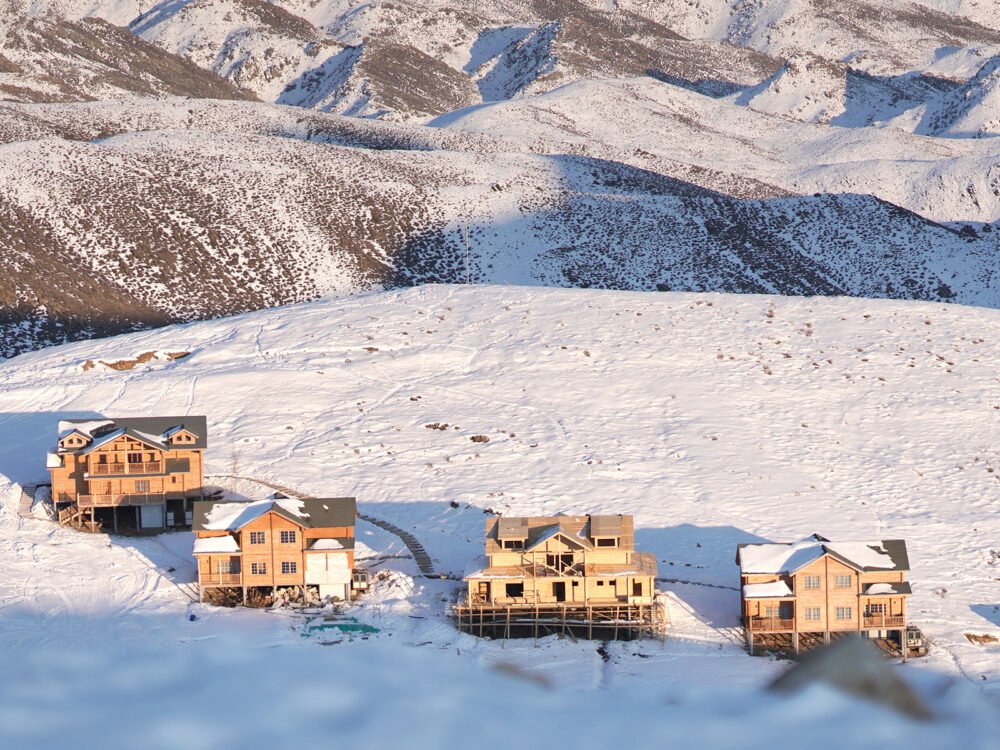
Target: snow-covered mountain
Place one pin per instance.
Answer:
(713, 419)
(276, 208)
(49, 59)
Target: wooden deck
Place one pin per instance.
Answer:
(127, 468)
(615, 621)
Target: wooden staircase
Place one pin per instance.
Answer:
(79, 518)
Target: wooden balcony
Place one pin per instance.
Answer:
(885, 621)
(770, 624)
(113, 501)
(127, 468)
(222, 579)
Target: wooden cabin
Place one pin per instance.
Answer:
(139, 474)
(798, 595)
(575, 574)
(275, 543)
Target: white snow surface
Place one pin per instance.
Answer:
(233, 516)
(715, 420)
(212, 544)
(787, 558)
(775, 589)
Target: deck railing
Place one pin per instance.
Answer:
(112, 501)
(138, 467)
(222, 579)
(884, 621)
(765, 624)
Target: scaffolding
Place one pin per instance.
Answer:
(604, 621)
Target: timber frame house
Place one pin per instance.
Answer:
(579, 575)
(281, 542)
(138, 474)
(799, 595)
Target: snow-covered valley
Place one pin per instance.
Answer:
(714, 419)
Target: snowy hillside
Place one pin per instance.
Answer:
(714, 419)
(276, 209)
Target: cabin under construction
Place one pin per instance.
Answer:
(574, 575)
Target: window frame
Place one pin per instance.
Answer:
(843, 581)
(287, 536)
(289, 568)
(258, 537)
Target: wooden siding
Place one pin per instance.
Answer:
(271, 552)
(107, 474)
(789, 613)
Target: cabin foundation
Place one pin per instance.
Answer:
(598, 621)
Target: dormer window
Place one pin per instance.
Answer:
(512, 543)
(606, 542)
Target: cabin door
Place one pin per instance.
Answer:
(559, 590)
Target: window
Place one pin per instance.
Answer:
(515, 590)
(611, 542)
(232, 565)
(258, 568)
(636, 588)
(288, 567)
(810, 582)
(812, 614)
(142, 485)
(843, 582)
(513, 544)
(135, 458)
(770, 611)
(873, 608)
(600, 583)
(256, 537)
(288, 537)
(844, 613)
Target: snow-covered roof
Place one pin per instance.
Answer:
(156, 429)
(549, 532)
(84, 427)
(887, 554)
(772, 590)
(234, 516)
(53, 460)
(215, 544)
(307, 512)
(887, 589)
(326, 544)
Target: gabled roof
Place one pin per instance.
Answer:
(884, 555)
(542, 534)
(115, 434)
(157, 429)
(309, 513)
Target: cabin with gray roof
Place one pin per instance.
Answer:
(134, 474)
(573, 574)
(255, 548)
(800, 594)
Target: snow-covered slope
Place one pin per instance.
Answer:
(257, 215)
(714, 419)
(48, 59)
(973, 109)
(655, 125)
(887, 37)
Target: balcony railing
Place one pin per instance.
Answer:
(112, 501)
(884, 621)
(126, 468)
(222, 579)
(770, 624)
